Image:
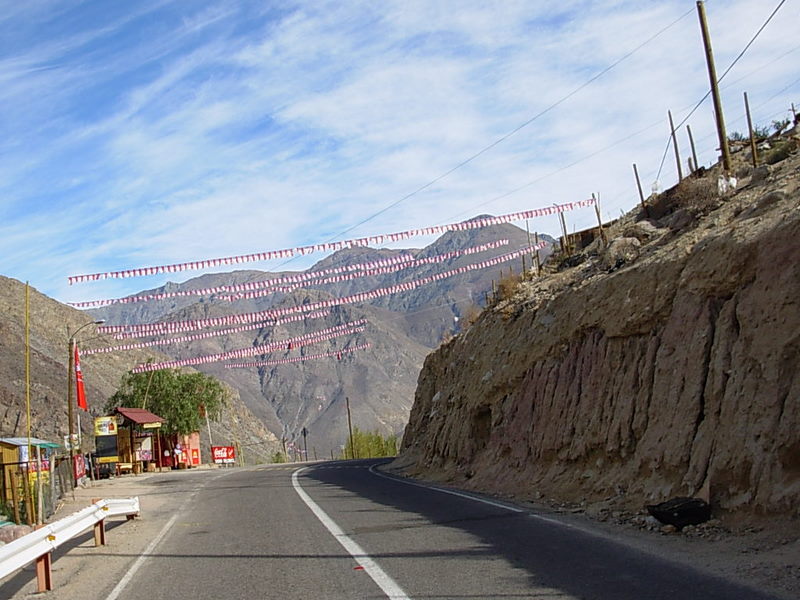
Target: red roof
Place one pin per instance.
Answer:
(138, 415)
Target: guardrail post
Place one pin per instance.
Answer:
(99, 528)
(100, 533)
(44, 573)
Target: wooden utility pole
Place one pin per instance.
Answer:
(641, 193)
(599, 220)
(675, 145)
(70, 407)
(712, 76)
(536, 254)
(694, 151)
(565, 248)
(350, 427)
(528, 230)
(750, 131)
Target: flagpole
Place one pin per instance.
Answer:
(28, 362)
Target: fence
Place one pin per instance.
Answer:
(35, 502)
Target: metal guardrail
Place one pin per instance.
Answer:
(37, 545)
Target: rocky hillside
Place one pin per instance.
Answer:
(651, 367)
(380, 383)
(49, 322)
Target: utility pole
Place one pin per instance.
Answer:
(694, 151)
(70, 402)
(350, 427)
(675, 145)
(641, 193)
(712, 76)
(70, 392)
(753, 149)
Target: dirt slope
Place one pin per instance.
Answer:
(659, 364)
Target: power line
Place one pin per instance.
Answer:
(708, 93)
(507, 135)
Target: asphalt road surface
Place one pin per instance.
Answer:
(345, 530)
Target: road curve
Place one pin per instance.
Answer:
(345, 530)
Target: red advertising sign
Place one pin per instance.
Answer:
(223, 454)
(79, 466)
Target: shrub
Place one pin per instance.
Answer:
(507, 286)
(780, 152)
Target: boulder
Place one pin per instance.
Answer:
(620, 251)
(13, 532)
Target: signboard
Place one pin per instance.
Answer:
(223, 454)
(195, 456)
(79, 466)
(105, 426)
(106, 448)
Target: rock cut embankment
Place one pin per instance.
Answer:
(641, 378)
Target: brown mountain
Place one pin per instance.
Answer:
(50, 322)
(379, 382)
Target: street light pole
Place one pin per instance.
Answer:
(70, 392)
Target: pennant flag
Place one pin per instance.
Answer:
(81, 391)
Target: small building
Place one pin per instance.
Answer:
(138, 442)
(185, 451)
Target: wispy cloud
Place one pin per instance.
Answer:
(164, 132)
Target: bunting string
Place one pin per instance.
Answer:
(202, 336)
(158, 328)
(333, 246)
(301, 340)
(288, 283)
(295, 359)
(372, 272)
(194, 326)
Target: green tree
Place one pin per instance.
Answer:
(181, 399)
(370, 445)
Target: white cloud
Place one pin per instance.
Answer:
(178, 132)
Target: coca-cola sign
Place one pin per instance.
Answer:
(223, 454)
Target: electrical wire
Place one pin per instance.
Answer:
(719, 79)
(507, 135)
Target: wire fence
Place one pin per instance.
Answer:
(28, 494)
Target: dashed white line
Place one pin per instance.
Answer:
(378, 575)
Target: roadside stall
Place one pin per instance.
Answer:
(19, 467)
(181, 451)
(138, 442)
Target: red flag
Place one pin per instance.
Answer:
(79, 382)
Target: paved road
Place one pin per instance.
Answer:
(345, 530)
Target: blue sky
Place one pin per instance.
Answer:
(146, 133)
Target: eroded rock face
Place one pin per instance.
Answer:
(675, 370)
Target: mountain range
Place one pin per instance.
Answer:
(275, 403)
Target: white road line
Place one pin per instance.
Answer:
(147, 551)
(379, 576)
(140, 561)
(446, 491)
(507, 507)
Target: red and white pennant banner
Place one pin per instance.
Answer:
(288, 283)
(275, 313)
(301, 340)
(202, 336)
(373, 272)
(192, 326)
(332, 246)
(296, 359)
